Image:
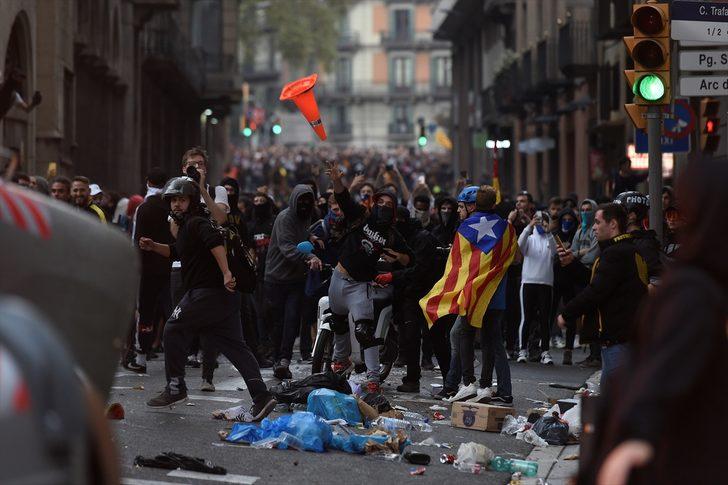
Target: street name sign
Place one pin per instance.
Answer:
(704, 60)
(713, 85)
(699, 21)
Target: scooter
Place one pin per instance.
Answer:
(323, 347)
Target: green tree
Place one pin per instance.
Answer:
(306, 31)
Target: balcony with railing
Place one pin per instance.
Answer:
(577, 49)
(547, 77)
(399, 40)
(401, 130)
(613, 18)
(168, 53)
(348, 41)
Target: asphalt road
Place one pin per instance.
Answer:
(189, 429)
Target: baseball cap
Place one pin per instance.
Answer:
(95, 189)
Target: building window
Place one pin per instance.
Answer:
(402, 74)
(400, 119)
(343, 73)
(442, 72)
(402, 24)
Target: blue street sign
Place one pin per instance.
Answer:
(675, 137)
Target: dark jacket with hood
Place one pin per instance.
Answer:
(649, 247)
(417, 279)
(260, 229)
(235, 217)
(284, 263)
(568, 235)
(366, 237)
(618, 284)
(445, 231)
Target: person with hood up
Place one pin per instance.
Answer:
(355, 283)
(260, 229)
(563, 230)
(448, 224)
(285, 274)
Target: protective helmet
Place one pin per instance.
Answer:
(469, 195)
(181, 186)
(634, 202)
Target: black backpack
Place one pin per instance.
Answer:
(240, 262)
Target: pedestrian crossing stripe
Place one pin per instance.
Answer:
(21, 211)
(228, 478)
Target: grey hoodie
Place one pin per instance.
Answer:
(284, 263)
(586, 241)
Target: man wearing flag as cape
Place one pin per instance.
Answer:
(483, 249)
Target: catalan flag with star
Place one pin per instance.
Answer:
(482, 251)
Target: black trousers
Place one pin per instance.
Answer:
(440, 338)
(154, 304)
(412, 326)
(513, 307)
(214, 314)
(536, 307)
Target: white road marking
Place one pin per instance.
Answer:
(137, 481)
(229, 478)
(130, 374)
(214, 398)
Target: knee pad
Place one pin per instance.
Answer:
(339, 323)
(364, 332)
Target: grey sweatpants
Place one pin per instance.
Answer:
(355, 298)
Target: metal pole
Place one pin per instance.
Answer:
(654, 180)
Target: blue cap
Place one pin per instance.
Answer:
(468, 195)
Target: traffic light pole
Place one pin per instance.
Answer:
(654, 179)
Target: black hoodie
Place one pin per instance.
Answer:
(365, 240)
(445, 232)
(235, 217)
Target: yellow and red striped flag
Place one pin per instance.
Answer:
(482, 251)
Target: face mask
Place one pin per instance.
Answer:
(383, 215)
(423, 216)
(587, 219)
(445, 217)
(540, 230)
(566, 226)
(232, 201)
(260, 210)
(304, 209)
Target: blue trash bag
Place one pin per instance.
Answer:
(310, 429)
(330, 404)
(354, 443)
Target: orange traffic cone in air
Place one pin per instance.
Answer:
(301, 93)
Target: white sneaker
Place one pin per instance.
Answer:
(207, 386)
(464, 393)
(484, 395)
(546, 358)
(522, 356)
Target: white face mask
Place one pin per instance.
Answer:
(423, 216)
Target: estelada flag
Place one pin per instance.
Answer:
(481, 253)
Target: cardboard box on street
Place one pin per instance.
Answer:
(482, 417)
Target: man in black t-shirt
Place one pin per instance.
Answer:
(210, 305)
(370, 235)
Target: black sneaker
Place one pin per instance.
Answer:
(134, 367)
(445, 393)
(193, 362)
(281, 371)
(501, 400)
(166, 398)
(263, 409)
(409, 386)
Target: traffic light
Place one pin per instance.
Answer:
(649, 48)
(422, 139)
(276, 129)
(709, 124)
(245, 127)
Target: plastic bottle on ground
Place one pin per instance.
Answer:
(290, 441)
(392, 424)
(526, 467)
(474, 468)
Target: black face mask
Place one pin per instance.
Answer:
(383, 215)
(304, 209)
(233, 202)
(261, 210)
(445, 217)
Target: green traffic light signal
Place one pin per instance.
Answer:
(247, 132)
(650, 87)
(422, 141)
(277, 129)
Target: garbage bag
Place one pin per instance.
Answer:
(513, 425)
(297, 391)
(378, 402)
(573, 418)
(472, 453)
(331, 404)
(312, 431)
(552, 429)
